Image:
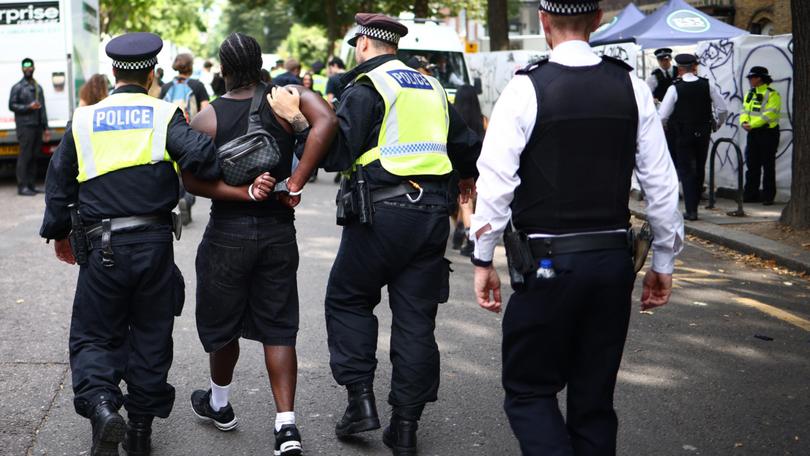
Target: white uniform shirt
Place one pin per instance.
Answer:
(671, 98)
(652, 81)
(510, 128)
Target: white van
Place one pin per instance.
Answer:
(437, 43)
(62, 39)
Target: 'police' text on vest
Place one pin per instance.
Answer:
(411, 79)
(123, 118)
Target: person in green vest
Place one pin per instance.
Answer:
(760, 118)
(399, 142)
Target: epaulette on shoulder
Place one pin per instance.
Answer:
(616, 61)
(533, 66)
(677, 81)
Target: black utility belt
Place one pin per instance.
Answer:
(523, 253)
(547, 247)
(355, 200)
(119, 224)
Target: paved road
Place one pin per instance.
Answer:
(694, 380)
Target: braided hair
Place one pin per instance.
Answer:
(241, 58)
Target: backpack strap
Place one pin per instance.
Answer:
(254, 120)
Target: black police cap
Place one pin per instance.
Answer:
(378, 26)
(134, 51)
(686, 59)
(663, 52)
(760, 72)
(569, 7)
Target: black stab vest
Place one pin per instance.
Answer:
(694, 105)
(665, 80)
(575, 170)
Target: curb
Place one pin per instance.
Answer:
(746, 243)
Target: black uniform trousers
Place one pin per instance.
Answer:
(760, 160)
(122, 328)
(30, 139)
(567, 331)
(692, 150)
(403, 249)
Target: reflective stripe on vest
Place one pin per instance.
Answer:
(413, 133)
(121, 131)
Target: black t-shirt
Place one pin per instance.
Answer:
(232, 122)
(334, 86)
(197, 88)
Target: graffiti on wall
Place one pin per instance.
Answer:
(726, 63)
(496, 69)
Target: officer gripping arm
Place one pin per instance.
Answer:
(359, 126)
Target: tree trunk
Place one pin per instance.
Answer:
(421, 9)
(797, 213)
(498, 22)
(332, 28)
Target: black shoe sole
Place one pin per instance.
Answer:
(398, 451)
(111, 435)
(355, 427)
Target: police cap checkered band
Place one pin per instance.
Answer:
(379, 34)
(569, 7)
(140, 65)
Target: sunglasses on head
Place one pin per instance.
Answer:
(27, 64)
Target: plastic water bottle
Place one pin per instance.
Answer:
(545, 269)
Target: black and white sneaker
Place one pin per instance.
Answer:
(288, 441)
(224, 419)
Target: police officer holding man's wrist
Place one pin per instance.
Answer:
(556, 163)
(399, 142)
(117, 162)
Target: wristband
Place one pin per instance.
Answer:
(250, 193)
(480, 263)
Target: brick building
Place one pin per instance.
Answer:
(760, 17)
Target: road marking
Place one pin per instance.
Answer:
(775, 312)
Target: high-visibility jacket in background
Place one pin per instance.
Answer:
(762, 107)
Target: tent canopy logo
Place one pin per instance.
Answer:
(688, 21)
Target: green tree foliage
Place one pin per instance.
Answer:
(307, 44)
(268, 22)
(170, 19)
(336, 17)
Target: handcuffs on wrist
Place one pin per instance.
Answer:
(281, 187)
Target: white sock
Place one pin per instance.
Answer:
(219, 396)
(284, 418)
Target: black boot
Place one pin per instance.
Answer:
(108, 430)
(139, 436)
(400, 436)
(361, 413)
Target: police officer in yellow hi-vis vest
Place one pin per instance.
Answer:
(110, 189)
(400, 141)
(760, 118)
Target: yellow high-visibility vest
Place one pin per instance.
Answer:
(762, 107)
(121, 131)
(413, 134)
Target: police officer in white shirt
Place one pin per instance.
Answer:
(557, 162)
(688, 116)
(661, 79)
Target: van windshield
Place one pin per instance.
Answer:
(447, 67)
